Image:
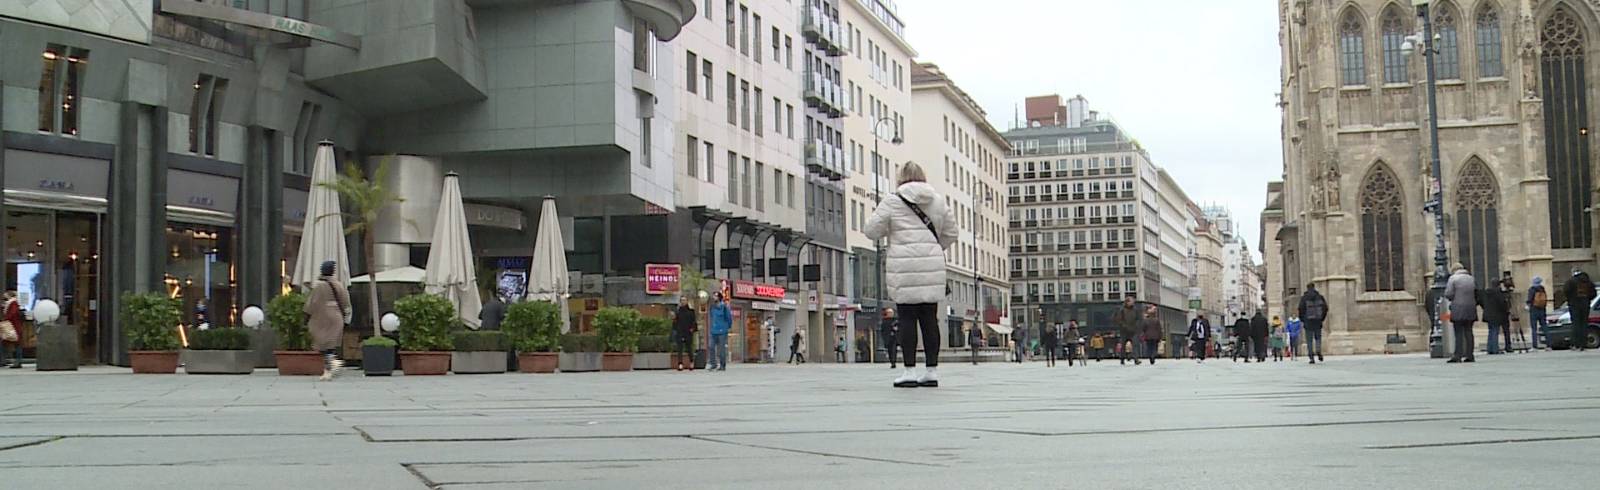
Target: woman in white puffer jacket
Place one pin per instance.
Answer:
(914, 266)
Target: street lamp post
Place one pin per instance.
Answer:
(977, 277)
(1435, 202)
(877, 199)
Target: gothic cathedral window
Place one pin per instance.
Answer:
(1477, 221)
(1395, 61)
(1382, 231)
(1352, 50)
(1444, 25)
(1563, 80)
(1488, 36)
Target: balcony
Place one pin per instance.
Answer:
(825, 160)
(824, 94)
(1014, 199)
(824, 31)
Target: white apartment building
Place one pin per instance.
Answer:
(962, 153)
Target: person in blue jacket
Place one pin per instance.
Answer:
(721, 322)
(1295, 326)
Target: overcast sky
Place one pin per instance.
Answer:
(1194, 81)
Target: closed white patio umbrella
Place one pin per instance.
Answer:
(323, 236)
(547, 280)
(450, 272)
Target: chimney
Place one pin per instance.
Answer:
(1076, 111)
(1043, 110)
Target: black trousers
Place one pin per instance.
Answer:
(1260, 344)
(1051, 348)
(681, 347)
(1464, 341)
(924, 318)
(1313, 336)
(1199, 348)
(1151, 348)
(1580, 332)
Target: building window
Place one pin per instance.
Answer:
(706, 76)
(1562, 73)
(707, 10)
(1449, 60)
(789, 189)
(1477, 221)
(1382, 231)
(776, 46)
(733, 99)
(744, 30)
(644, 47)
(1488, 33)
(692, 157)
(691, 68)
(203, 114)
(711, 162)
(1352, 50)
(1396, 66)
(755, 37)
(728, 17)
(761, 186)
(646, 110)
(760, 120)
(744, 105)
(789, 119)
(61, 89)
(733, 178)
(777, 115)
(788, 52)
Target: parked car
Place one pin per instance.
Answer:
(1560, 329)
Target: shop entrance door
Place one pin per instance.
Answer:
(753, 347)
(56, 255)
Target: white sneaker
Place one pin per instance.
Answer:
(326, 375)
(908, 379)
(929, 379)
(338, 365)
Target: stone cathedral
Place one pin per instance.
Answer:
(1514, 90)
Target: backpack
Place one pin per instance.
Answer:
(1316, 308)
(1540, 299)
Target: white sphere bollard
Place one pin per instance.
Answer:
(46, 312)
(390, 322)
(252, 317)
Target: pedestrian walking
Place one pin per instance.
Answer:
(1019, 343)
(1538, 299)
(1462, 293)
(1241, 339)
(1313, 311)
(839, 350)
(1051, 339)
(1294, 327)
(1150, 333)
(974, 341)
(1259, 330)
(1097, 344)
(1579, 291)
(1279, 343)
(1074, 340)
(861, 347)
(1199, 336)
(10, 337)
(1497, 313)
(684, 324)
(891, 333)
(1126, 319)
(919, 227)
(721, 323)
(328, 307)
(796, 351)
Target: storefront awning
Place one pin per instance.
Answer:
(1000, 329)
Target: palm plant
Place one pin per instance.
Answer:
(367, 198)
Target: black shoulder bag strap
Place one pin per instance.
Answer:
(920, 215)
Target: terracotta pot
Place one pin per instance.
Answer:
(537, 362)
(425, 363)
(616, 361)
(298, 362)
(153, 362)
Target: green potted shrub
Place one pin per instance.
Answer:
(534, 329)
(378, 355)
(618, 329)
(294, 355)
(580, 353)
(219, 350)
(425, 323)
(150, 322)
(478, 352)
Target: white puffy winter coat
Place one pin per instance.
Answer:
(914, 270)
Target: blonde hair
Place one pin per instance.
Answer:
(912, 172)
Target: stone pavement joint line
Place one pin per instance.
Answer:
(1479, 443)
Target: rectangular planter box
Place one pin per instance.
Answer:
(478, 362)
(377, 361)
(580, 362)
(648, 361)
(218, 361)
(57, 348)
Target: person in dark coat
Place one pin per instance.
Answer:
(1126, 319)
(1258, 336)
(493, 312)
(1150, 331)
(1579, 292)
(1241, 339)
(975, 341)
(684, 324)
(1199, 336)
(1497, 313)
(1049, 335)
(1463, 294)
(1538, 300)
(1313, 311)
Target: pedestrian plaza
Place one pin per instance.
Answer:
(1507, 421)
